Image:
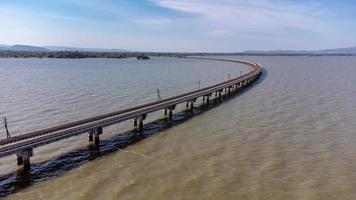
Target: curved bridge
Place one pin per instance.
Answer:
(22, 145)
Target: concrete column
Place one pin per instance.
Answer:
(191, 108)
(19, 159)
(187, 104)
(207, 100)
(97, 140)
(98, 132)
(25, 156)
(91, 133)
(165, 111)
(140, 122)
(219, 95)
(90, 137)
(26, 164)
(170, 114)
(135, 122)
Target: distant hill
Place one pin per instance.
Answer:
(27, 48)
(22, 48)
(351, 50)
(54, 48)
(61, 48)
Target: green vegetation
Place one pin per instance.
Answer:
(142, 57)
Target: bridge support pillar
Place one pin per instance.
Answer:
(140, 121)
(170, 112)
(237, 87)
(97, 140)
(98, 132)
(19, 159)
(219, 95)
(26, 164)
(207, 99)
(140, 125)
(135, 121)
(191, 106)
(23, 158)
(187, 104)
(91, 135)
(165, 111)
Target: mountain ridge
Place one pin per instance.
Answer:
(348, 50)
(65, 48)
(19, 47)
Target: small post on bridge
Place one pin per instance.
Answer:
(158, 95)
(6, 128)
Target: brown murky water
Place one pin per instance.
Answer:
(291, 136)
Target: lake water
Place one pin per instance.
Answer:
(290, 136)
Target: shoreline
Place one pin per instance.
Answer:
(120, 55)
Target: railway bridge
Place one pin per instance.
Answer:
(23, 145)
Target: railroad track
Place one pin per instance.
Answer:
(23, 144)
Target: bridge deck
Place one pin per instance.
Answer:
(49, 135)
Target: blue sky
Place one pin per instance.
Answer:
(180, 25)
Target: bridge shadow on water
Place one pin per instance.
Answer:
(39, 172)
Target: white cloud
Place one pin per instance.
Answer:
(220, 33)
(282, 24)
(258, 15)
(154, 21)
